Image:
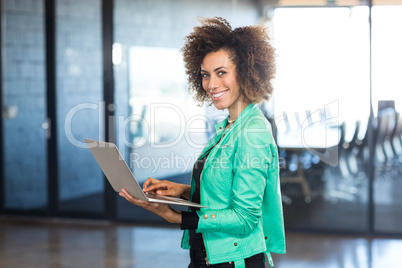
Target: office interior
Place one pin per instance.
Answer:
(112, 70)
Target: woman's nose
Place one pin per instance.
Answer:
(213, 83)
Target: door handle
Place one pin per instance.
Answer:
(46, 126)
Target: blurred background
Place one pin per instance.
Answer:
(112, 70)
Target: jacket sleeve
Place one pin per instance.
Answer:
(250, 174)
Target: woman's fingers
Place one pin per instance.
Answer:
(164, 187)
(150, 181)
(152, 206)
(159, 209)
(132, 199)
(169, 192)
(157, 186)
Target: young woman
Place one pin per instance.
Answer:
(236, 176)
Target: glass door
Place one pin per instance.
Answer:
(79, 105)
(24, 107)
(321, 108)
(387, 106)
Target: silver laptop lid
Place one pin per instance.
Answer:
(115, 168)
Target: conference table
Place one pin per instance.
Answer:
(321, 140)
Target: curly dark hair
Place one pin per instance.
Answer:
(249, 49)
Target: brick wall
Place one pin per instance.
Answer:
(79, 95)
(24, 88)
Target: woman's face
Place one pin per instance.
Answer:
(219, 80)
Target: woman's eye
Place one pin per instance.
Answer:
(221, 72)
(204, 75)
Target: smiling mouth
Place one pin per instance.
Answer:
(219, 95)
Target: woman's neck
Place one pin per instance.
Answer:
(236, 108)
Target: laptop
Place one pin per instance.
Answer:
(120, 176)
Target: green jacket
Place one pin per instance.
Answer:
(240, 186)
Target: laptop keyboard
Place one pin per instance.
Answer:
(161, 197)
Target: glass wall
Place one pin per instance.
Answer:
(80, 109)
(24, 106)
(387, 106)
(322, 75)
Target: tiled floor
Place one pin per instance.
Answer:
(61, 243)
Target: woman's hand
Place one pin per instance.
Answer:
(162, 210)
(166, 188)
